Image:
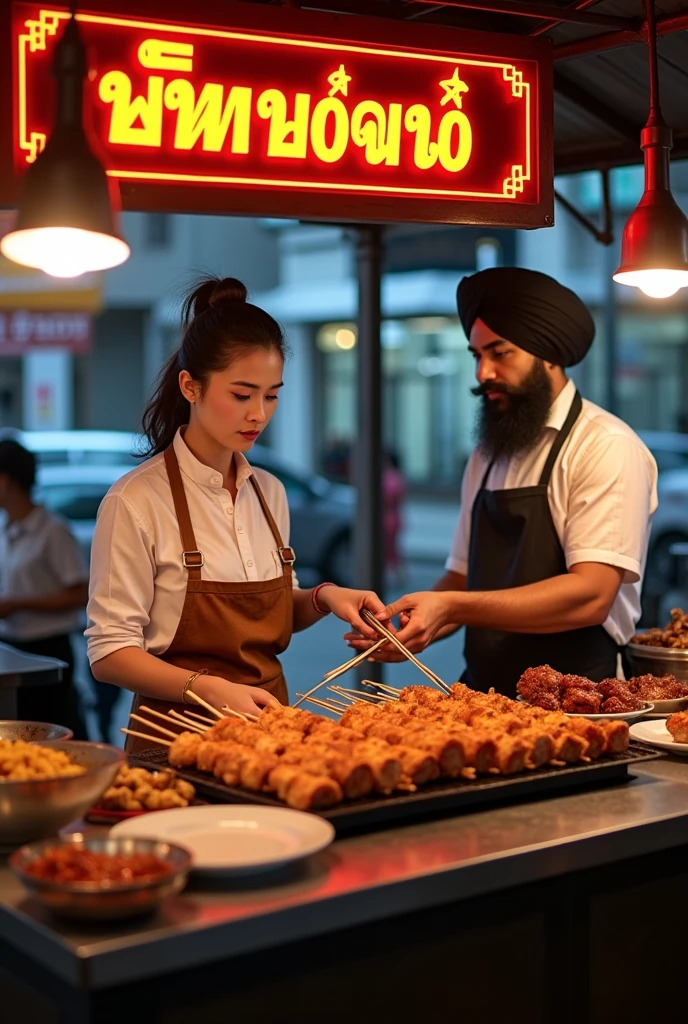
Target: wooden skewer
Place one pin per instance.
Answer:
(361, 695)
(321, 703)
(145, 736)
(353, 662)
(154, 725)
(205, 704)
(201, 718)
(245, 717)
(340, 693)
(393, 690)
(339, 704)
(376, 624)
(187, 722)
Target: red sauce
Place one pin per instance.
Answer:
(69, 864)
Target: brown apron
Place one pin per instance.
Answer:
(234, 630)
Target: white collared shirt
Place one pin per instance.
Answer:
(602, 496)
(138, 582)
(39, 555)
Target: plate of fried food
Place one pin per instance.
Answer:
(137, 791)
(546, 688)
(671, 735)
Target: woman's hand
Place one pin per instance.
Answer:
(247, 700)
(347, 605)
(421, 616)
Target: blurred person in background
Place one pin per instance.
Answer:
(43, 589)
(393, 497)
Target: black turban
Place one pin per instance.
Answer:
(530, 309)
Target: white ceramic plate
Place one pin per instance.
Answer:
(235, 839)
(623, 715)
(658, 735)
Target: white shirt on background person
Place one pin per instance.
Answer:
(602, 496)
(138, 582)
(39, 555)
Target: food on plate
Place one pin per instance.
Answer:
(545, 688)
(678, 726)
(674, 634)
(21, 761)
(312, 762)
(74, 863)
(657, 687)
(136, 789)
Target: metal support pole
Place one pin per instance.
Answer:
(611, 260)
(368, 545)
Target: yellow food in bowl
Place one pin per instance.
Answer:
(21, 761)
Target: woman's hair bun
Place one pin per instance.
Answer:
(229, 289)
(212, 291)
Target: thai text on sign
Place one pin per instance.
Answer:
(224, 107)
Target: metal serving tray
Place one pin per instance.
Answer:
(443, 797)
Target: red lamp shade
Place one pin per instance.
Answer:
(654, 247)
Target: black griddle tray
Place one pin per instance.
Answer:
(439, 798)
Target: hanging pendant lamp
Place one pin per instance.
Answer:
(67, 219)
(654, 246)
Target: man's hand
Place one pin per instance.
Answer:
(422, 615)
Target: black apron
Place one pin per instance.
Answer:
(514, 543)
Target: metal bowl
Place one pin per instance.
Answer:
(658, 661)
(33, 732)
(34, 808)
(103, 900)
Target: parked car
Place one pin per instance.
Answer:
(77, 468)
(669, 448)
(663, 585)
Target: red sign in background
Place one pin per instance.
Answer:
(251, 109)
(23, 330)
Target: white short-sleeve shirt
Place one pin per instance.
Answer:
(138, 582)
(602, 496)
(39, 555)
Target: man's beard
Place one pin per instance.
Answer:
(504, 432)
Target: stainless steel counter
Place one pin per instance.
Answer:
(362, 879)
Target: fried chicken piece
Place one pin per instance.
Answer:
(678, 726)
(208, 753)
(617, 736)
(581, 702)
(538, 680)
(312, 793)
(651, 688)
(184, 750)
(591, 733)
(303, 791)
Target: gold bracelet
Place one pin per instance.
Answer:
(190, 681)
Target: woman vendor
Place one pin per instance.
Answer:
(192, 585)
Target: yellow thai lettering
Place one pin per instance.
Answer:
(136, 122)
(164, 55)
(418, 121)
(378, 134)
(209, 116)
(333, 150)
(286, 137)
(454, 156)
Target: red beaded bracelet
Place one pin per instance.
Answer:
(314, 596)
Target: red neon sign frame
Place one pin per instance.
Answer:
(302, 123)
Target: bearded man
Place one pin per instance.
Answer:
(556, 502)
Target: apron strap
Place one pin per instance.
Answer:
(574, 413)
(191, 556)
(286, 554)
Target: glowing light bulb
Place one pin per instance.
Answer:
(656, 283)
(64, 252)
